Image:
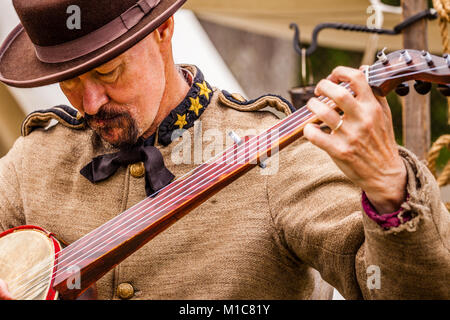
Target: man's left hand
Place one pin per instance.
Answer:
(364, 145)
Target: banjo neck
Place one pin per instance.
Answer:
(95, 254)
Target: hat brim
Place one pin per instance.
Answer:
(20, 67)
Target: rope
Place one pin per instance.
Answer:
(443, 9)
(444, 178)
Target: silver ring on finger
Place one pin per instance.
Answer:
(338, 125)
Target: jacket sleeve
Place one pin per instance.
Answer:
(11, 205)
(319, 217)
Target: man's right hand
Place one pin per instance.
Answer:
(4, 293)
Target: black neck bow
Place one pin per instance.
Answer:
(157, 176)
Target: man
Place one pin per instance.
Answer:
(265, 236)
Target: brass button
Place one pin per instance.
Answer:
(125, 291)
(137, 170)
(238, 97)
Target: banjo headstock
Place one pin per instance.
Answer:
(400, 66)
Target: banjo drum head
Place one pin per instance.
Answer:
(27, 262)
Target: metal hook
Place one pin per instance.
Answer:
(426, 14)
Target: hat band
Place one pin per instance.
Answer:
(98, 38)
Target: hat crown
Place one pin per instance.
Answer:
(51, 22)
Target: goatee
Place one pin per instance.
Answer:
(122, 123)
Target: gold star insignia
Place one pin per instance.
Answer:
(204, 90)
(181, 122)
(195, 105)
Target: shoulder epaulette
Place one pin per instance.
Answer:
(236, 101)
(65, 115)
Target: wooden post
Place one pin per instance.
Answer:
(416, 107)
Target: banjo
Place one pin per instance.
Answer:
(36, 266)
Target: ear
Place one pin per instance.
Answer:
(165, 31)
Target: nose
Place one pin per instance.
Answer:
(94, 96)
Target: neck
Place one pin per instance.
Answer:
(174, 93)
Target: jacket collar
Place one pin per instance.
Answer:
(190, 109)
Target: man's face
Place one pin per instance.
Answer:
(121, 98)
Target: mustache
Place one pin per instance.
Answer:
(106, 112)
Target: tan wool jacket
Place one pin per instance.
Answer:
(289, 231)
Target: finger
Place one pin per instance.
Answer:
(326, 114)
(363, 68)
(387, 115)
(354, 77)
(4, 293)
(340, 95)
(316, 136)
(384, 105)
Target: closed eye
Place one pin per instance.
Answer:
(102, 74)
(108, 76)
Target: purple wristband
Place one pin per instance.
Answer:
(387, 220)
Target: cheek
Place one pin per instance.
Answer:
(141, 86)
(151, 88)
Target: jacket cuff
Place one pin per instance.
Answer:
(386, 220)
(423, 202)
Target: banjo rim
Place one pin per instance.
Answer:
(52, 294)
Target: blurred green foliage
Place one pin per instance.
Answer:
(324, 60)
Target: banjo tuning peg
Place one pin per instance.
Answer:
(444, 89)
(422, 87)
(402, 89)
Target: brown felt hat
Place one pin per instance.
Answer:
(60, 39)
